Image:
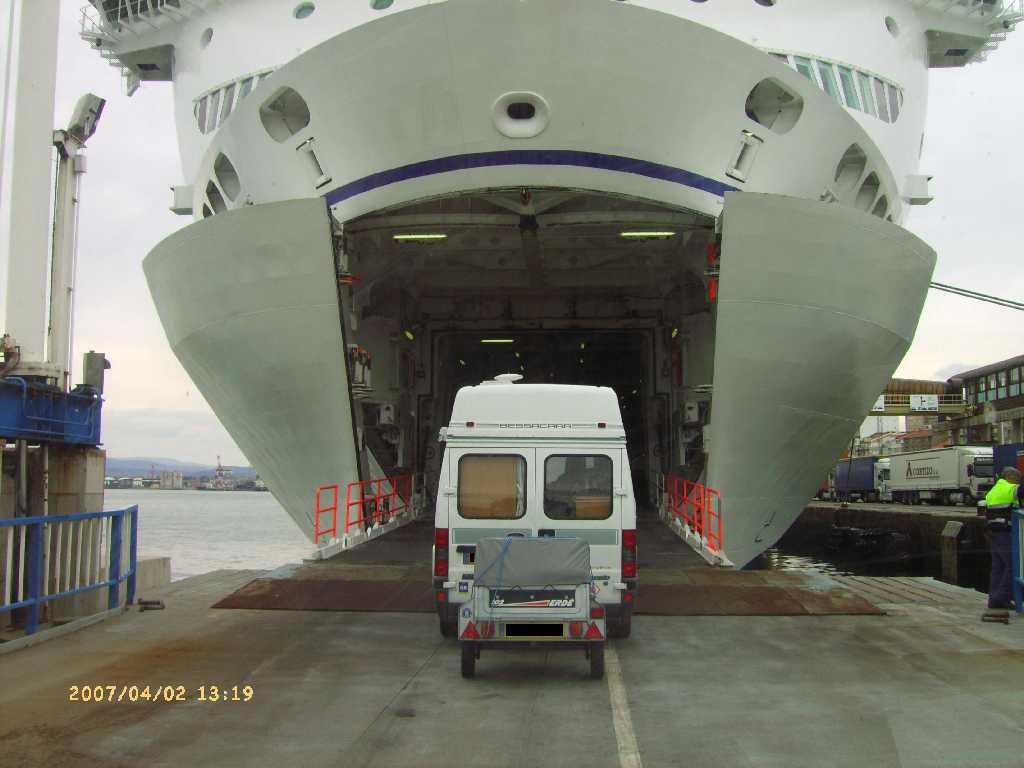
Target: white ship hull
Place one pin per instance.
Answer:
(641, 120)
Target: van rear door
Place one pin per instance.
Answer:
(489, 495)
(576, 496)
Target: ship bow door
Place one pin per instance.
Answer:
(817, 305)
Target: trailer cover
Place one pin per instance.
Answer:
(521, 562)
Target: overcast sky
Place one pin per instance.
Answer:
(152, 408)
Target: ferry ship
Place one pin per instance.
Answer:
(697, 203)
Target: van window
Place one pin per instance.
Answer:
(492, 487)
(578, 487)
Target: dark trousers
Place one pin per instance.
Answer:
(1000, 587)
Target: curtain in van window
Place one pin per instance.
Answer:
(520, 488)
(492, 487)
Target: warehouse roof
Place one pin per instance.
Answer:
(987, 369)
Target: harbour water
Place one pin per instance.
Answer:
(204, 531)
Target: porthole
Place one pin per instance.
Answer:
(765, 3)
(284, 114)
(851, 167)
(304, 10)
(521, 110)
(520, 114)
(774, 105)
(380, 5)
(892, 26)
(206, 37)
(227, 177)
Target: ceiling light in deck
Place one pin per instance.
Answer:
(409, 335)
(654, 234)
(420, 237)
(497, 341)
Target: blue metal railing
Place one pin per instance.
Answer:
(73, 550)
(1018, 560)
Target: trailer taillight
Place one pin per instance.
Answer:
(441, 553)
(629, 554)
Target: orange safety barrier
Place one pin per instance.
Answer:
(699, 506)
(331, 508)
(369, 502)
(713, 515)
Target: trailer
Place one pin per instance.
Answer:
(1011, 455)
(954, 475)
(855, 479)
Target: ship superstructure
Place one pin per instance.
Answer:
(698, 204)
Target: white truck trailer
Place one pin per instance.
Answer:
(959, 474)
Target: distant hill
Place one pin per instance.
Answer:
(145, 467)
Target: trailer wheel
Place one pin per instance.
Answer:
(597, 661)
(469, 655)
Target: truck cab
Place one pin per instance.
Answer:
(883, 477)
(536, 460)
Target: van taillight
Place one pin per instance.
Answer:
(629, 554)
(441, 553)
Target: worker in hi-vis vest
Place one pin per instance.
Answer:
(1001, 501)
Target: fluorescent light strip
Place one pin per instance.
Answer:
(426, 237)
(497, 341)
(645, 234)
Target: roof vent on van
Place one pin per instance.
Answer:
(508, 378)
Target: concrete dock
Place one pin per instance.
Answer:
(925, 684)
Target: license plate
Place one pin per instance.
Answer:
(535, 631)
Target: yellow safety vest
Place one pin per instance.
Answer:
(1002, 495)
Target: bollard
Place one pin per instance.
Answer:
(951, 552)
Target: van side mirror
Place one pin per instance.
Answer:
(970, 470)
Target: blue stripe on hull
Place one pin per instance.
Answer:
(528, 157)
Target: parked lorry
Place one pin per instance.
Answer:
(856, 479)
(958, 474)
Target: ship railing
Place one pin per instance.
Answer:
(993, 11)
(369, 507)
(699, 508)
(104, 22)
(890, 404)
(1017, 532)
(52, 557)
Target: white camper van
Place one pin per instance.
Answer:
(536, 460)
